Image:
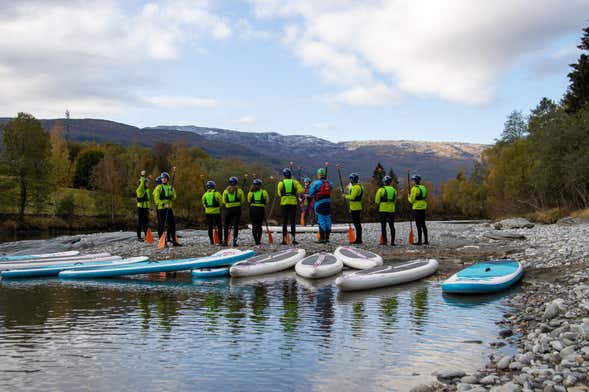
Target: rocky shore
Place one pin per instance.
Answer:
(549, 323)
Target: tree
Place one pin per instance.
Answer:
(26, 152)
(378, 174)
(85, 163)
(515, 127)
(577, 95)
(59, 159)
(109, 177)
(393, 175)
(161, 153)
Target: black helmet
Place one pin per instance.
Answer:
(416, 177)
(354, 177)
(158, 180)
(257, 181)
(387, 179)
(211, 184)
(233, 180)
(286, 172)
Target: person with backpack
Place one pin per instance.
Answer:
(257, 198)
(354, 198)
(233, 199)
(163, 196)
(417, 199)
(142, 193)
(288, 190)
(386, 200)
(306, 202)
(212, 201)
(320, 190)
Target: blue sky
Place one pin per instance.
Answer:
(338, 69)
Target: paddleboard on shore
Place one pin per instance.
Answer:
(319, 265)
(307, 229)
(221, 258)
(357, 258)
(39, 256)
(267, 263)
(51, 263)
(485, 277)
(54, 270)
(387, 275)
(55, 259)
(210, 272)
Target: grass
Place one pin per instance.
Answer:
(584, 214)
(547, 216)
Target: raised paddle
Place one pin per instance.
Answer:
(411, 236)
(162, 241)
(351, 234)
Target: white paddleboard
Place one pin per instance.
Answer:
(357, 258)
(268, 263)
(319, 265)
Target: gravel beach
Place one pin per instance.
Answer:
(550, 321)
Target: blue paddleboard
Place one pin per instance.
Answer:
(40, 256)
(485, 277)
(210, 272)
(222, 258)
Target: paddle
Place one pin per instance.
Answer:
(351, 235)
(411, 236)
(162, 241)
(270, 239)
(302, 200)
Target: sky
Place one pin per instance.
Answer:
(337, 69)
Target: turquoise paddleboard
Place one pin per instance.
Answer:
(210, 272)
(222, 258)
(40, 256)
(485, 277)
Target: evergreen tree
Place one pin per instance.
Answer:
(378, 174)
(577, 95)
(85, 163)
(515, 127)
(393, 175)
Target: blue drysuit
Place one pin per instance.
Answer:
(322, 206)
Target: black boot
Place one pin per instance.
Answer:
(327, 233)
(426, 242)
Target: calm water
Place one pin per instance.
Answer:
(268, 334)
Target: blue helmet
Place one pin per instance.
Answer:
(158, 180)
(257, 181)
(416, 177)
(307, 180)
(211, 184)
(165, 174)
(387, 179)
(286, 172)
(354, 177)
(233, 180)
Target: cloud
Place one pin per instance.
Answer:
(175, 102)
(91, 57)
(249, 119)
(455, 51)
(376, 95)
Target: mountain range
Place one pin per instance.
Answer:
(435, 161)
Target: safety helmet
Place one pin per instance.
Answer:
(354, 177)
(211, 184)
(307, 180)
(286, 172)
(416, 178)
(158, 180)
(233, 180)
(165, 174)
(257, 181)
(321, 172)
(387, 179)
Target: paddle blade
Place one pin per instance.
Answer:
(351, 235)
(161, 244)
(382, 241)
(302, 222)
(270, 239)
(288, 238)
(228, 236)
(411, 238)
(318, 236)
(149, 236)
(216, 236)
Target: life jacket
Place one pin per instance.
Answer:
(211, 200)
(422, 193)
(258, 197)
(324, 190)
(390, 194)
(165, 195)
(232, 197)
(290, 190)
(359, 197)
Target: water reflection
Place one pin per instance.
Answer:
(244, 333)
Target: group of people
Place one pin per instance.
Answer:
(223, 210)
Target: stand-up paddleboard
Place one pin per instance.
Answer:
(387, 275)
(56, 259)
(55, 270)
(39, 256)
(319, 265)
(357, 258)
(222, 258)
(210, 272)
(48, 263)
(308, 229)
(267, 263)
(485, 277)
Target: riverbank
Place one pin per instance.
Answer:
(550, 323)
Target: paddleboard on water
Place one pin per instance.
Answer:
(54, 259)
(210, 272)
(387, 275)
(39, 256)
(357, 258)
(55, 270)
(52, 263)
(267, 263)
(319, 265)
(307, 229)
(221, 258)
(485, 277)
